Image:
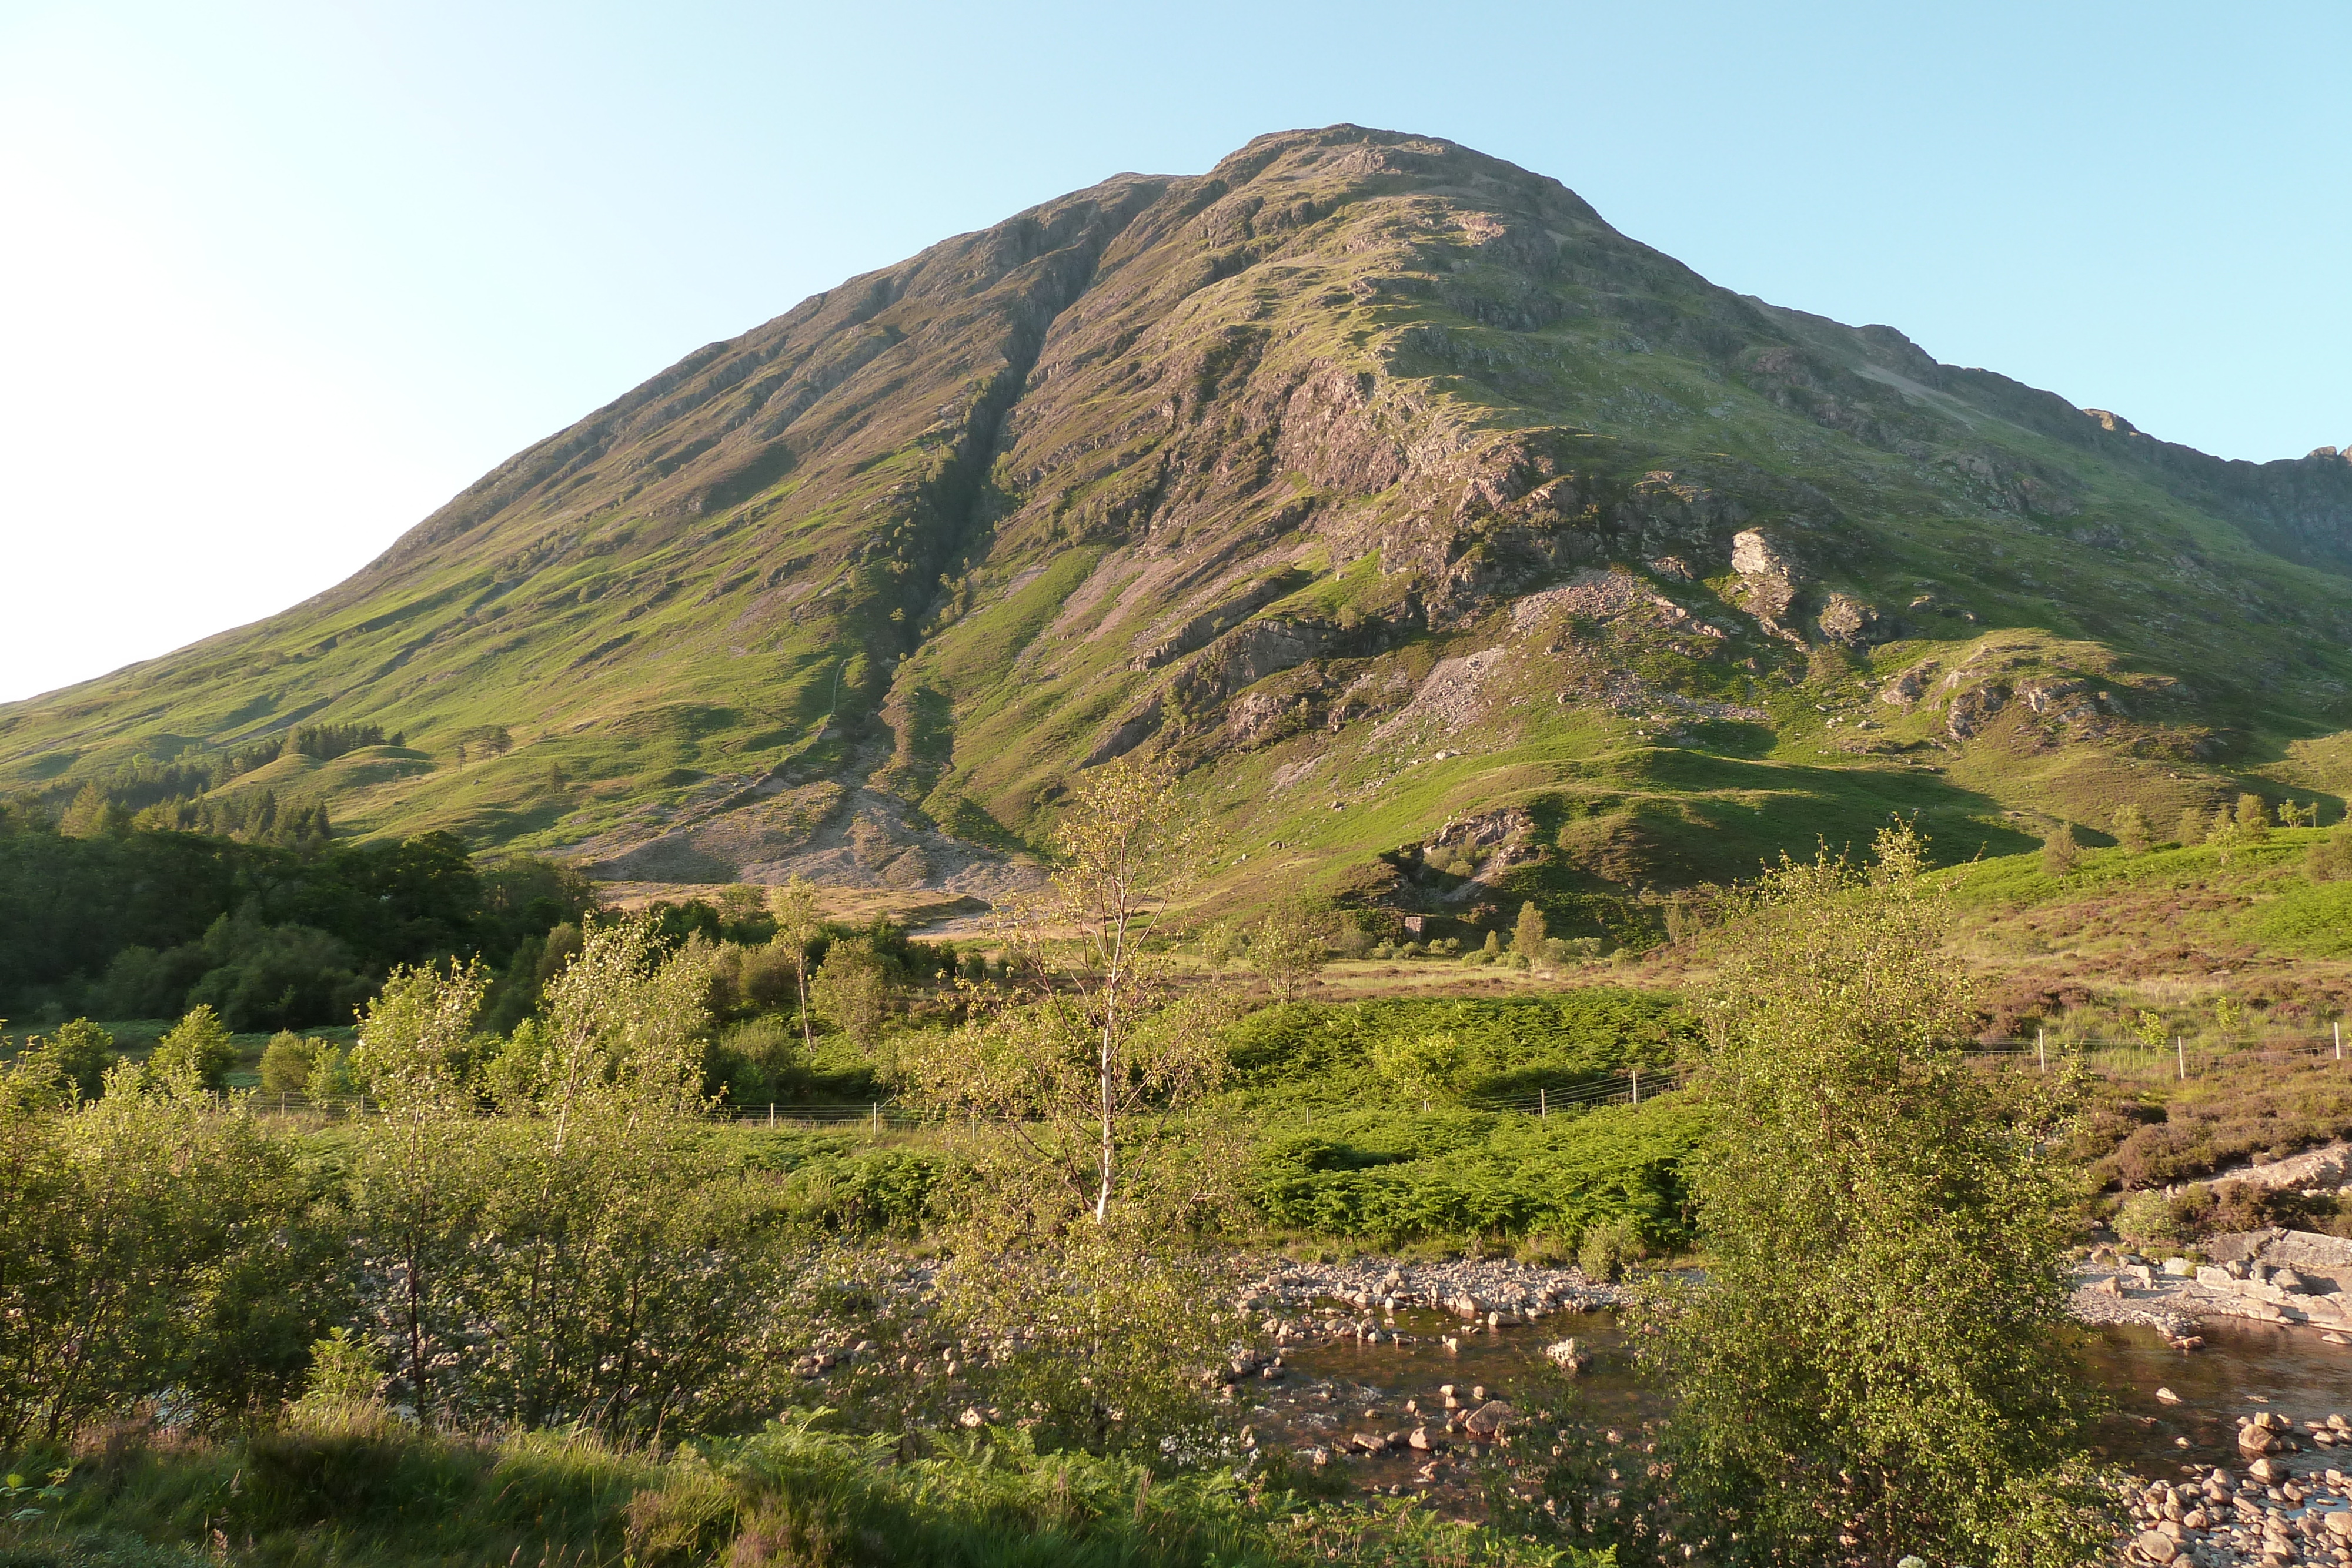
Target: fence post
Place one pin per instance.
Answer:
(876, 1118)
(2041, 1049)
(772, 1115)
(1543, 1103)
(2339, 1040)
(2180, 1057)
(1637, 1086)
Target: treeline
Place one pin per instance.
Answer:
(255, 818)
(146, 924)
(174, 793)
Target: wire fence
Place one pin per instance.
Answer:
(2176, 1058)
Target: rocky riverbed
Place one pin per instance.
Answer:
(1396, 1376)
(2285, 1502)
(2273, 1276)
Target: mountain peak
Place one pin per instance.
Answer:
(1379, 483)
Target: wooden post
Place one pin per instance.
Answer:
(877, 1119)
(1543, 1103)
(772, 1115)
(1637, 1086)
(2041, 1048)
(2180, 1057)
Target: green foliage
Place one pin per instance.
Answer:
(333, 1080)
(2132, 832)
(197, 1047)
(1609, 1248)
(1420, 1067)
(1876, 1351)
(1326, 1054)
(346, 1374)
(2060, 852)
(154, 1242)
(2330, 859)
(380, 1495)
(851, 991)
(1287, 948)
(2315, 918)
(83, 1053)
(287, 1063)
(1529, 936)
(271, 938)
(1390, 1178)
(589, 1256)
(757, 1063)
(2147, 1217)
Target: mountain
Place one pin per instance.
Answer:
(1461, 548)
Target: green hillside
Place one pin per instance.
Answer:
(1463, 548)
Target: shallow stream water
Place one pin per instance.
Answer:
(1332, 1391)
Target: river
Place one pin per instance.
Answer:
(1334, 1390)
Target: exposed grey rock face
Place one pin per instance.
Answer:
(1910, 686)
(1753, 555)
(1971, 708)
(1853, 621)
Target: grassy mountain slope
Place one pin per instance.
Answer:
(1463, 547)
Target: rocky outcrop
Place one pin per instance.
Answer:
(1970, 710)
(1767, 582)
(1910, 686)
(1853, 621)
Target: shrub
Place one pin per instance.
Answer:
(756, 1062)
(1220, 942)
(2330, 860)
(2132, 829)
(82, 1052)
(287, 1063)
(2059, 854)
(1606, 1250)
(2147, 1217)
(198, 1045)
(1286, 948)
(1528, 939)
(1390, 1178)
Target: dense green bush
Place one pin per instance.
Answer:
(1326, 1054)
(153, 1243)
(1391, 1178)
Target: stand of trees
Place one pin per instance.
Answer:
(145, 923)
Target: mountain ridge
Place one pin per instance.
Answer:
(1255, 468)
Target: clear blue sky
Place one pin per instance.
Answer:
(278, 279)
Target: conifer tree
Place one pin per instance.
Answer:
(2131, 830)
(2059, 852)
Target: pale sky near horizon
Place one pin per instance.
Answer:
(277, 279)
